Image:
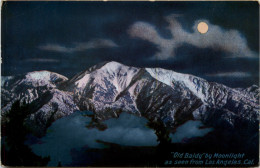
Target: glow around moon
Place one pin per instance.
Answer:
(203, 27)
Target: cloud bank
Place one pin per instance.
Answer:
(92, 44)
(42, 60)
(230, 41)
(190, 129)
(70, 133)
(231, 74)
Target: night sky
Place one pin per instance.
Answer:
(69, 37)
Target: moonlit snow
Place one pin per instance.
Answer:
(119, 74)
(189, 81)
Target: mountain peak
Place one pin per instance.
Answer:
(106, 74)
(35, 78)
(113, 66)
(113, 63)
(44, 75)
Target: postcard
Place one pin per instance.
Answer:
(130, 84)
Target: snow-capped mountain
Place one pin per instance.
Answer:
(110, 88)
(40, 89)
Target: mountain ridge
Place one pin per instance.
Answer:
(109, 88)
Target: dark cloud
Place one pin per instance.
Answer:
(231, 74)
(42, 60)
(93, 44)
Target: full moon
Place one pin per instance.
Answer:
(203, 27)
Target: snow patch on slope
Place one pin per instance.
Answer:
(40, 75)
(196, 85)
(83, 81)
